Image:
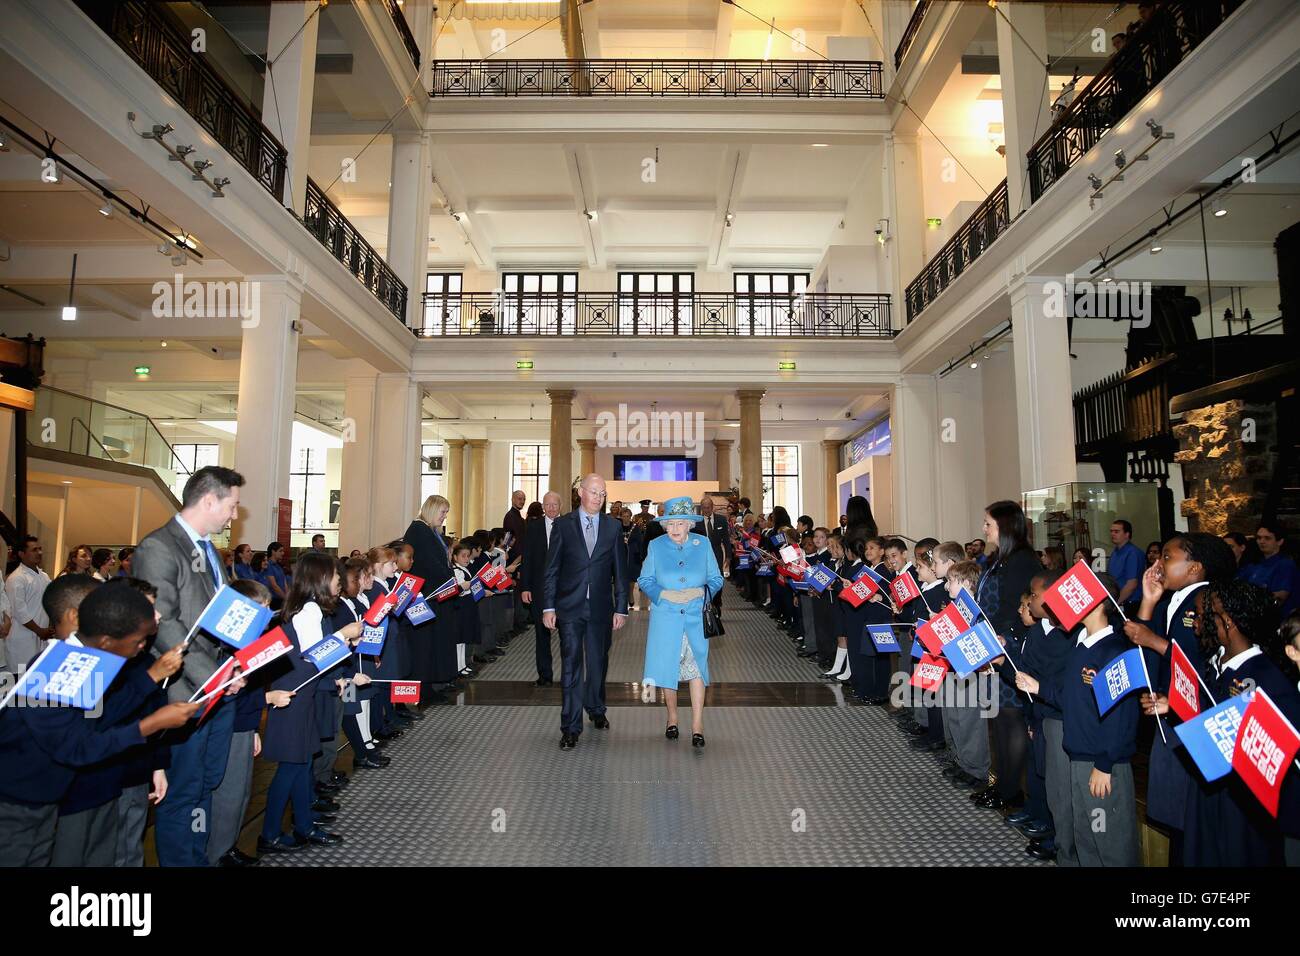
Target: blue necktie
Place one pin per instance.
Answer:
(214, 562)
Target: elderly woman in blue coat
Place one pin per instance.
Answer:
(678, 567)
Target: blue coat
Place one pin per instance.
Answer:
(674, 567)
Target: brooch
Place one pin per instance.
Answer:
(695, 543)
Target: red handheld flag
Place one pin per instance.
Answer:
(929, 672)
(859, 591)
(380, 608)
(1266, 744)
(1074, 596)
(945, 626)
(404, 692)
(904, 589)
(1184, 694)
(219, 677)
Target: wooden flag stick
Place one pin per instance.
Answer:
(1145, 673)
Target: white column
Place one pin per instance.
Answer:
(408, 216)
(268, 375)
(914, 425)
(905, 209)
(357, 480)
(287, 97)
(137, 502)
(1021, 54)
(961, 475)
(396, 486)
(1044, 404)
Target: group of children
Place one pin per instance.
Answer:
(1024, 735)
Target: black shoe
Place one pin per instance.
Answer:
(437, 697)
(284, 843)
(1040, 852)
(568, 741)
(327, 789)
(543, 682)
(319, 837)
(600, 722)
(371, 762)
(325, 805)
(319, 817)
(410, 714)
(387, 735)
(697, 740)
(480, 659)
(925, 744)
(339, 777)
(233, 857)
(1036, 832)
(1018, 819)
(990, 800)
(671, 732)
(914, 729)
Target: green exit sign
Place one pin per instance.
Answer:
(524, 366)
(785, 366)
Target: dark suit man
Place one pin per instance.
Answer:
(532, 580)
(585, 593)
(714, 527)
(181, 562)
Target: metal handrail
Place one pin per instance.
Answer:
(989, 220)
(836, 79)
(404, 30)
(149, 422)
(335, 232)
(909, 34)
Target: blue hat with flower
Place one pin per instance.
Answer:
(681, 508)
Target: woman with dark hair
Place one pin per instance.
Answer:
(102, 564)
(1173, 594)
(1153, 553)
(857, 511)
(1053, 558)
(1011, 566)
(292, 734)
(1225, 824)
(780, 518)
(80, 559)
(805, 526)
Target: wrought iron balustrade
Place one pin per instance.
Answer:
(1175, 29)
(812, 79)
(333, 231)
(408, 39)
(628, 314)
(989, 220)
(909, 34)
(157, 44)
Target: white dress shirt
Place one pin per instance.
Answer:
(24, 590)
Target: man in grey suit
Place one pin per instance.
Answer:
(180, 560)
(714, 527)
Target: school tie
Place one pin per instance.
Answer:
(590, 533)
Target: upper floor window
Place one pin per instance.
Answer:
(442, 301)
(655, 303)
(537, 303)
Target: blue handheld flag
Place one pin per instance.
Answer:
(234, 619)
(419, 612)
(69, 676)
(1211, 736)
(972, 649)
(882, 635)
(372, 638)
(1118, 679)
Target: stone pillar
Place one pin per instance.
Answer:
(359, 473)
(474, 485)
(286, 102)
(1045, 405)
(454, 475)
(913, 422)
(831, 465)
(397, 455)
(562, 444)
(1022, 51)
(268, 375)
(904, 253)
(722, 449)
(751, 446)
(408, 218)
(586, 456)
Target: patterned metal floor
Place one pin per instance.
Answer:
(753, 649)
(486, 784)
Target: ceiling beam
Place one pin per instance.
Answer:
(730, 180)
(575, 158)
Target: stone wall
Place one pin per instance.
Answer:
(1226, 478)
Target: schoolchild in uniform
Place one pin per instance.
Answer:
(937, 738)
(821, 603)
(1288, 816)
(417, 650)
(41, 748)
(925, 722)
(467, 622)
(1043, 654)
(1100, 748)
(292, 736)
(874, 556)
(354, 575)
(1225, 824)
(807, 645)
(970, 733)
(1173, 593)
(869, 669)
(840, 564)
(385, 720)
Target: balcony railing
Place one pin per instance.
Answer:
(332, 229)
(163, 51)
(399, 21)
(625, 314)
(1175, 29)
(811, 79)
(913, 28)
(976, 234)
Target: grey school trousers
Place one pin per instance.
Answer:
(970, 730)
(1105, 830)
(1059, 797)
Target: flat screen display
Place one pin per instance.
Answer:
(653, 468)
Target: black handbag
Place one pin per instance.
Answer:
(712, 622)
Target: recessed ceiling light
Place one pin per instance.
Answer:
(106, 210)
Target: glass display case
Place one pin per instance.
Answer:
(1079, 515)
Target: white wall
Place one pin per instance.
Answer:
(1001, 439)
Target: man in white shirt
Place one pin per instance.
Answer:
(537, 539)
(23, 591)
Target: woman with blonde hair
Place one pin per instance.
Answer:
(432, 644)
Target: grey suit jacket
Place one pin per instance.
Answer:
(169, 560)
